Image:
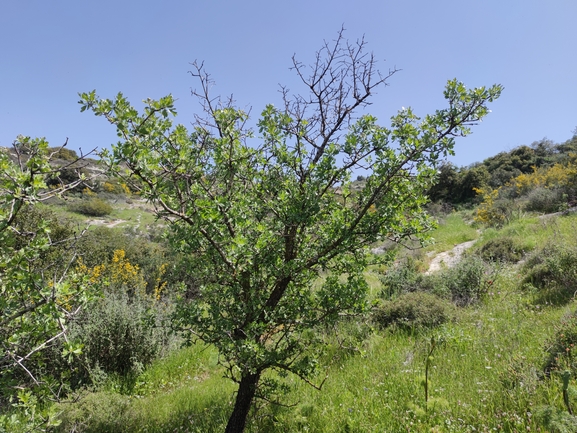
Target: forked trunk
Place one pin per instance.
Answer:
(246, 391)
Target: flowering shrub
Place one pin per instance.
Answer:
(488, 213)
(114, 186)
(558, 175)
(118, 276)
(126, 328)
(548, 189)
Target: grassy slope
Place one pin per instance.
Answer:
(484, 376)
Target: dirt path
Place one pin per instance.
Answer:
(449, 258)
(106, 223)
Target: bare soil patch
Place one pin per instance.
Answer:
(449, 258)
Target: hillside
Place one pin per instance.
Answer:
(493, 364)
(482, 343)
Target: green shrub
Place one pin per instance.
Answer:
(464, 284)
(94, 207)
(120, 336)
(545, 200)
(413, 310)
(556, 420)
(561, 349)
(467, 282)
(502, 249)
(554, 267)
(64, 176)
(64, 153)
(404, 277)
(62, 234)
(439, 209)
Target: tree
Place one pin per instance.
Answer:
(38, 293)
(475, 176)
(446, 186)
(273, 231)
(507, 165)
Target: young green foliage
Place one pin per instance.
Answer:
(262, 222)
(38, 294)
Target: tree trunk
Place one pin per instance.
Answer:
(246, 391)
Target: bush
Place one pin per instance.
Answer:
(467, 282)
(464, 284)
(94, 207)
(553, 267)
(545, 200)
(414, 310)
(556, 420)
(439, 209)
(403, 278)
(503, 249)
(561, 347)
(62, 234)
(552, 271)
(64, 153)
(120, 336)
(63, 176)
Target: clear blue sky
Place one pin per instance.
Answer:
(51, 50)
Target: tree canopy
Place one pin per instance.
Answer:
(272, 230)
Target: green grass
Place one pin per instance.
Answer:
(452, 230)
(133, 215)
(184, 390)
(63, 213)
(379, 389)
(486, 374)
(382, 389)
(132, 211)
(533, 233)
